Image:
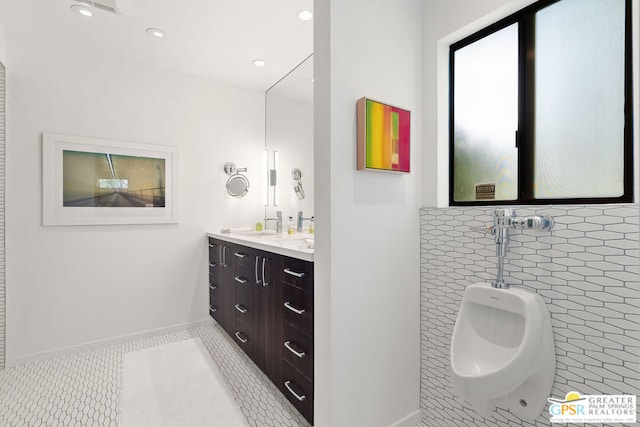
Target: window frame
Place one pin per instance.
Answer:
(525, 18)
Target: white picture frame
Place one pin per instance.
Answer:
(66, 196)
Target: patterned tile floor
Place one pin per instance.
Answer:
(84, 389)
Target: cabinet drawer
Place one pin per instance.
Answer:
(214, 249)
(243, 335)
(214, 309)
(297, 308)
(298, 390)
(242, 259)
(245, 314)
(298, 350)
(213, 300)
(214, 290)
(298, 273)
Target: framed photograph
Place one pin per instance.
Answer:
(87, 181)
(383, 137)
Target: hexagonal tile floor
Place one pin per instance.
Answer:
(84, 389)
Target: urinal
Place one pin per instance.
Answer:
(502, 350)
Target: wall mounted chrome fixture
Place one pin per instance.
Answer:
(237, 184)
(271, 178)
(296, 174)
(505, 219)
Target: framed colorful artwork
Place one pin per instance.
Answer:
(90, 181)
(383, 137)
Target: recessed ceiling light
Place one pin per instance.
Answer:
(259, 62)
(81, 10)
(155, 32)
(305, 15)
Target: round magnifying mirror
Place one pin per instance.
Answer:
(237, 185)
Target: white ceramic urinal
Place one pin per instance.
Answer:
(502, 350)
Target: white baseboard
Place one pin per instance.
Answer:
(410, 420)
(92, 345)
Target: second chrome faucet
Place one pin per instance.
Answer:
(277, 219)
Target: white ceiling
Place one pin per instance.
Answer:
(216, 39)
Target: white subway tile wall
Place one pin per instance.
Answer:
(2, 257)
(587, 271)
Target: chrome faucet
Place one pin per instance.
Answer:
(301, 220)
(277, 219)
(505, 219)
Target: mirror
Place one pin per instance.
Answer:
(237, 184)
(289, 143)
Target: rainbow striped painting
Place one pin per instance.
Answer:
(383, 136)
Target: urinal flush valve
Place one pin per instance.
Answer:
(505, 219)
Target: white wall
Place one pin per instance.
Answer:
(68, 286)
(367, 243)
(3, 46)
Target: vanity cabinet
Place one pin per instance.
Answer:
(221, 290)
(264, 301)
(255, 293)
(296, 304)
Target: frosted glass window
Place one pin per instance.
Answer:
(486, 116)
(541, 107)
(579, 99)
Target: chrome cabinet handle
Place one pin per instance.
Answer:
(242, 340)
(288, 345)
(292, 308)
(264, 280)
(293, 273)
(296, 395)
(240, 254)
(242, 309)
(213, 287)
(212, 264)
(240, 279)
(223, 255)
(211, 245)
(212, 309)
(258, 281)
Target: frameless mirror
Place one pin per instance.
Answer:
(289, 132)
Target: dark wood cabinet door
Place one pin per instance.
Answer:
(270, 294)
(220, 287)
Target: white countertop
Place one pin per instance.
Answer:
(299, 245)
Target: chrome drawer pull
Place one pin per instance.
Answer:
(292, 308)
(288, 345)
(213, 287)
(211, 245)
(240, 254)
(212, 309)
(264, 280)
(241, 309)
(258, 281)
(242, 340)
(300, 398)
(212, 264)
(240, 279)
(293, 273)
